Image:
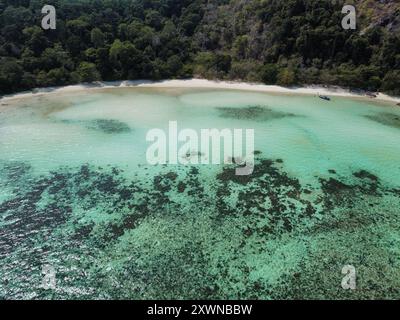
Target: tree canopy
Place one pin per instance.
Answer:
(276, 42)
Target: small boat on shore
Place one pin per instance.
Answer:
(324, 98)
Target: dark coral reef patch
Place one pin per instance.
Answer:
(116, 237)
(253, 113)
(386, 118)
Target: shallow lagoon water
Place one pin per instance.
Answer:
(78, 194)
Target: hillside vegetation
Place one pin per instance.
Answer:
(284, 42)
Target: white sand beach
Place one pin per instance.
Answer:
(202, 83)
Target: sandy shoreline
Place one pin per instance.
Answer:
(199, 83)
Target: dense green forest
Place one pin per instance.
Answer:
(284, 42)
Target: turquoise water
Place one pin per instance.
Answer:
(76, 193)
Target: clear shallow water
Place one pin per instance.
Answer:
(77, 193)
